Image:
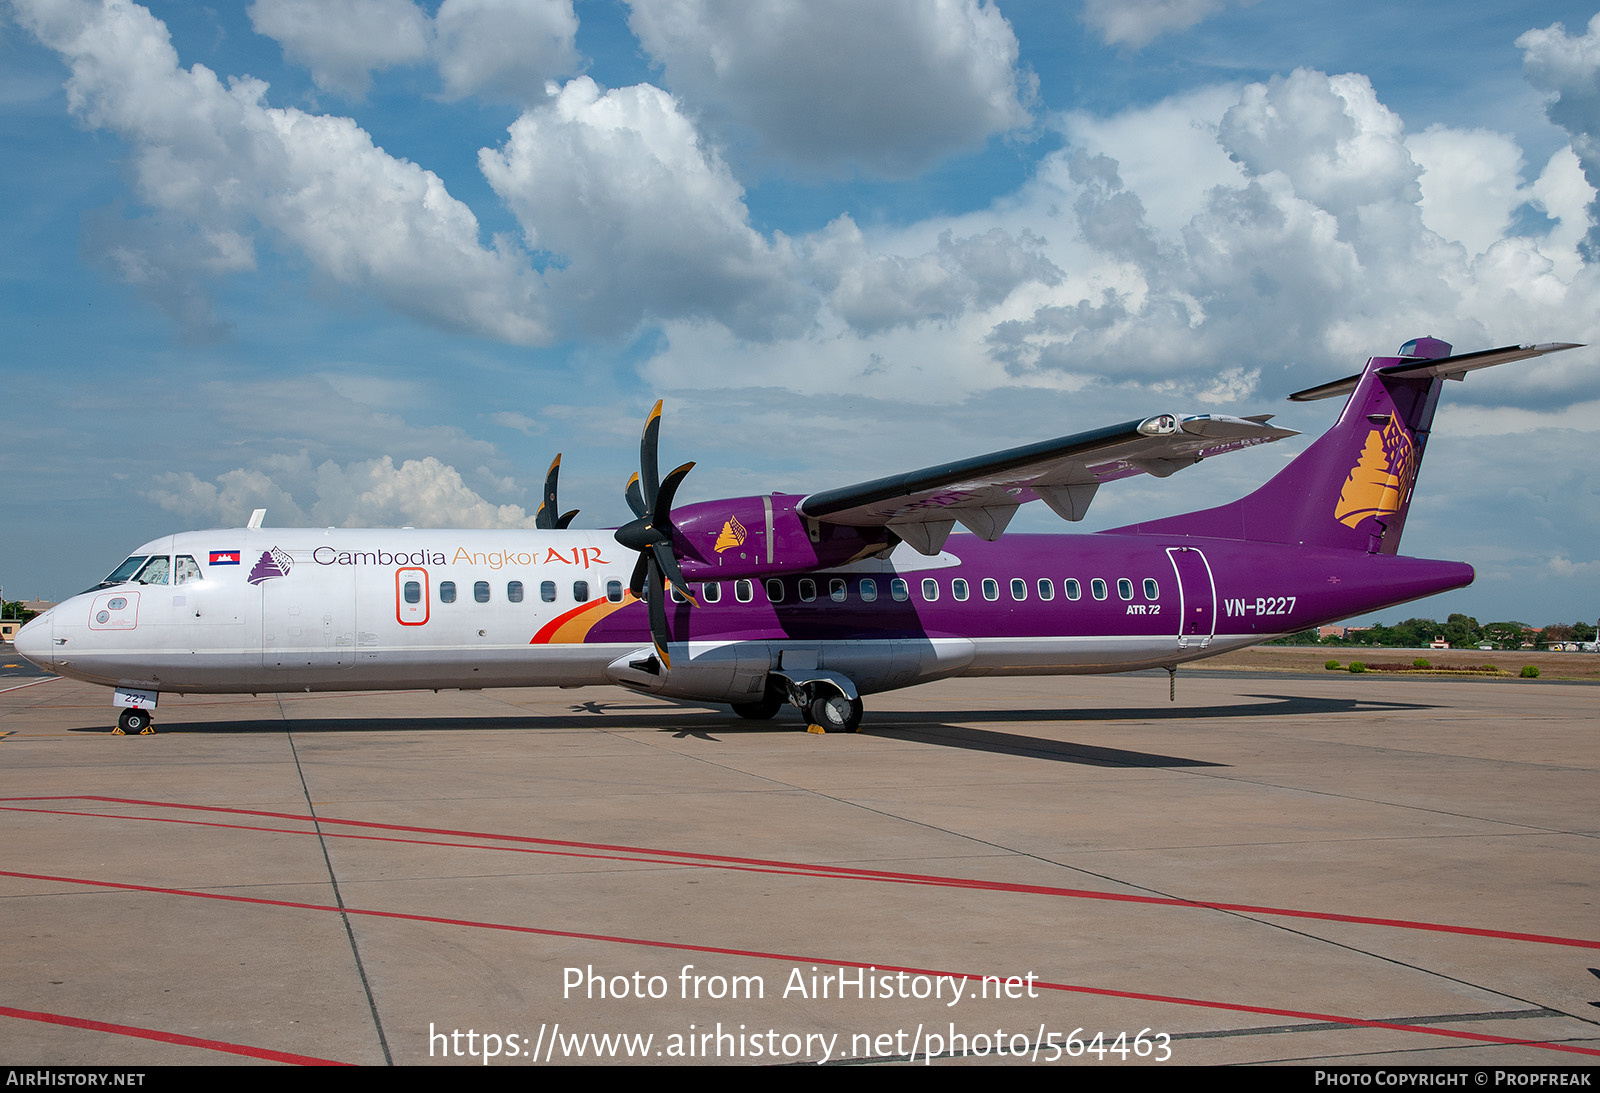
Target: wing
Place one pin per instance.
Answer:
(984, 493)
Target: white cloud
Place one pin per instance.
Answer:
(1337, 144)
(641, 219)
(343, 41)
(875, 291)
(1136, 23)
(219, 161)
(372, 493)
(1297, 231)
(888, 86)
(1470, 183)
(502, 49)
(228, 501)
(1568, 67)
(1564, 195)
(505, 49)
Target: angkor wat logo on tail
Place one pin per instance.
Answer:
(272, 563)
(1381, 479)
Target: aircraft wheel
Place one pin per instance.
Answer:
(836, 713)
(764, 710)
(136, 723)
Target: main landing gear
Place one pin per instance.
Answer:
(825, 708)
(835, 713)
(134, 722)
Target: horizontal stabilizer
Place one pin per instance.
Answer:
(1449, 367)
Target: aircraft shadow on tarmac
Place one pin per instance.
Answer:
(946, 728)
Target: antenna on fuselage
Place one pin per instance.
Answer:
(256, 517)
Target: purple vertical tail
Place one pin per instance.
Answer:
(1352, 487)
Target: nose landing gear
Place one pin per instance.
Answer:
(133, 722)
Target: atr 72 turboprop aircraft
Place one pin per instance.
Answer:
(814, 601)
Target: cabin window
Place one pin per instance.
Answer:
(185, 569)
(711, 591)
(676, 596)
(547, 591)
(614, 591)
(899, 590)
(1074, 589)
(413, 591)
(1151, 590)
(1098, 587)
(808, 589)
(836, 590)
(991, 588)
(1125, 588)
(126, 570)
(155, 570)
(480, 591)
(775, 590)
(869, 589)
(514, 591)
(1019, 589)
(930, 589)
(580, 591)
(958, 588)
(1047, 589)
(447, 592)
(744, 590)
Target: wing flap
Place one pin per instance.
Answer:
(982, 493)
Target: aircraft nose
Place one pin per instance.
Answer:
(34, 642)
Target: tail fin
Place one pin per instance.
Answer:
(1352, 487)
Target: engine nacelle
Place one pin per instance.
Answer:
(758, 536)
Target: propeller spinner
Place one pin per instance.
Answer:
(546, 517)
(650, 498)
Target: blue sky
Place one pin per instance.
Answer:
(375, 261)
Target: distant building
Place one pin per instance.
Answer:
(30, 608)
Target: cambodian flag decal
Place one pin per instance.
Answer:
(224, 557)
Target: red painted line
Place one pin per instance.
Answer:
(169, 1037)
(679, 857)
(1104, 992)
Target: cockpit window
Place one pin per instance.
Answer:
(155, 571)
(125, 571)
(185, 569)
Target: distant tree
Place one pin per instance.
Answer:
(1462, 630)
(1505, 635)
(1304, 637)
(1415, 633)
(13, 609)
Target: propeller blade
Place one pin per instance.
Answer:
(636, 582)
(661, 512)
(658, 617)
(545, 518)
(649, 470)
(666, 563)
(650, 533)
(566, 520)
